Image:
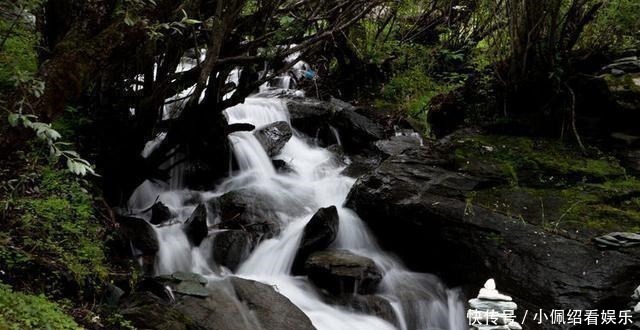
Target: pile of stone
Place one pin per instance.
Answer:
(492, 310)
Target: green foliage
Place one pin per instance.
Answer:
(616, 27)
(18, 54)
(53, 223)
(19, 311)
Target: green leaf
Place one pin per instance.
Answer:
(13, 119)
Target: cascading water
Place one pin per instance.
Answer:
(420, 301)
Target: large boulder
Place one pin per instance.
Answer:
(274, 136)
(419, 208)
(231, 247)
(318, 234)
(231, 304)
(142, 235)
(309, 116)
(368, 304)
(273, 310)
(196, 226)
(334, 121)
(396, 145)
(356, 131)
(250, 211)
(342, 272)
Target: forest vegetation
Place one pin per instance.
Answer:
(83, 85)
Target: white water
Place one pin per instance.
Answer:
(420, 300)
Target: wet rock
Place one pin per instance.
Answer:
(630, 159)
(418, 208)
(112, 295)
(318, 234)
(249, 211)
(274, 136)
(147, 311)
(356, 131)
(636, 294)
(361, 164)
(282, 166)
(629, 64)
(232, 304)
(240, 127)
(160, 213)
(369, 304)
(342, 272)
(196, 227)
(273, 310)
(309, 115)
(395, 145)
(231, 247)
(141, 233)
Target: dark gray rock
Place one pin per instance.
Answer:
(356, 131)
(629, 64)
(232, 304)
(630, 159)
(231, 247)
(240, 127)
(160, 213)
(368, 304)
(309, 116)
(141, 233)
(282, 166)
(274, 136)
(273, 310)
(419, 209)
(250, 211)
(395, 145)
(318, 234)
(196, 226)
(342, 272)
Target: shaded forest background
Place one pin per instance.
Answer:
(83, 85)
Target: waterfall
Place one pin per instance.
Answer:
(420, 301)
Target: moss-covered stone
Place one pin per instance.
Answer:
(535, 162)
(551, 185)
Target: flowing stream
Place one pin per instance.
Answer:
(420, 301)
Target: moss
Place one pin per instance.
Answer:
(525, 159)
(583, 209)
(622, 83)
(18, 54)
(19, 311)
(55, 226)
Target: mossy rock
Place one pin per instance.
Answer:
(582, 211)
(551, 185)
(528, 162)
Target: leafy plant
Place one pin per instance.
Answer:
(19, 311)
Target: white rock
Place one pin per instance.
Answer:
(637, 308)
(487, 305)
(515, 326)
(636, 294)
(493, 295)
(490, 284)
